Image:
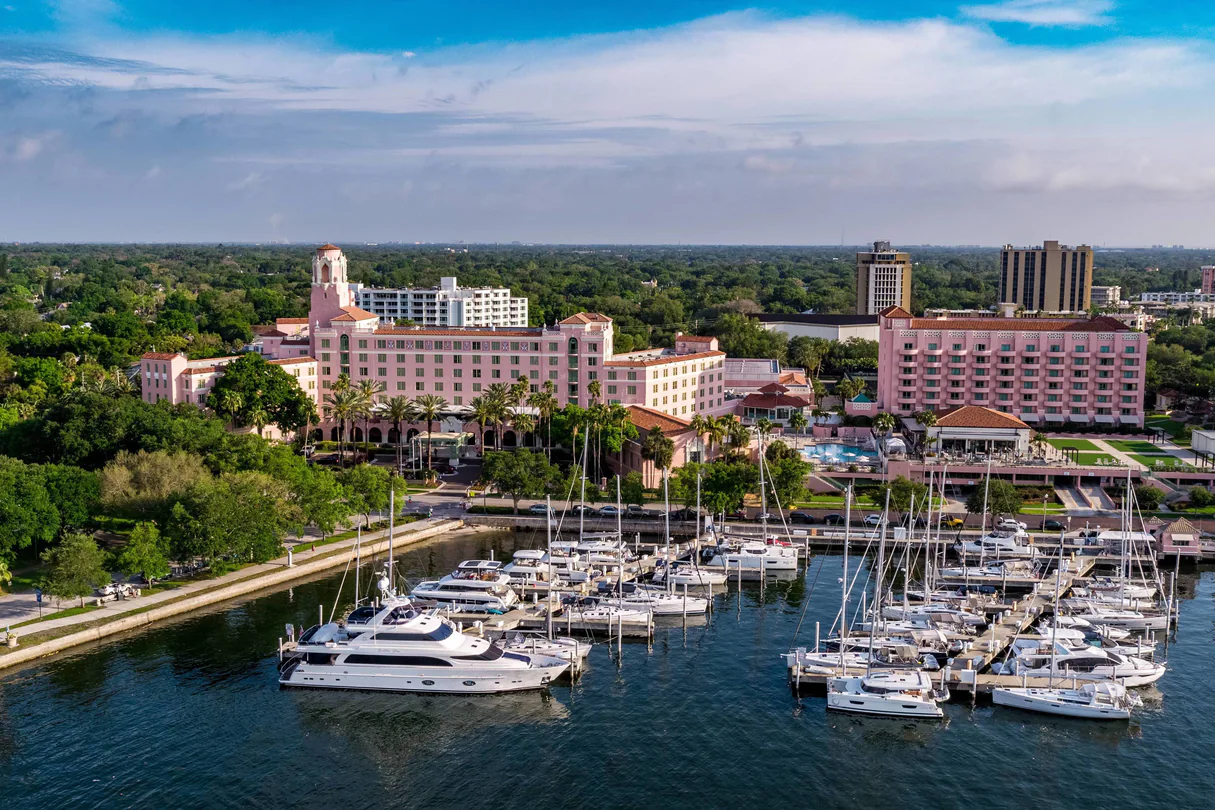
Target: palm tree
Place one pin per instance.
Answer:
(340, 406)
(342, 383)
(519, 391)
(482, 414)
(430, 408)
(763, 425)
(546, 405)
(1040, 441)
(6, 576)
(400, 411)
(229, 402)
(658, 448)
(884, 422)
(258, 417)
(701, 425)
(737, 436)
(797, 421)
(595, 389)
(499, 396)
(368, 391)
(524, 423)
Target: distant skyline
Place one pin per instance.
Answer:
(808, 122)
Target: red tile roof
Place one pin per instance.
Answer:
(658, 361)
(694, 338)
(160, 355)
(587, 317)
(327, 246)
(646, 419)
(268, 331)
(303, 321)
(1101, 324)
(354, 314)
(976, 416)
(894, 312)
(774, 388)
(290, 361)
(774, 401)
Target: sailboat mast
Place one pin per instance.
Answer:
(763, 496)
(666, 517)
(548, 545)
(844, 580)
(392, 512)
(878, 587)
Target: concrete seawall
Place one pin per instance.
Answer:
(223, 593)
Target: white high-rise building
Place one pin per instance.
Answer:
(445, 305)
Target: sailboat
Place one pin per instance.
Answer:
(885, 693)
(1102, 700)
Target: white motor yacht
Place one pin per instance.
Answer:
(534, 643)
(998, 546)
(753, 557)
(888, 694)
(406, 650)
(528, 566)
(1120, 618)
(1110, 586)
(476, 585)
(1102, 700)
(1040, 659)
(940, 615)
(656, 602)
(679, 574)
(993, 573)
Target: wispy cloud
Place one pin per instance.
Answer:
(1071, 13)
(722, 120)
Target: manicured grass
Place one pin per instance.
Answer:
(1169, 426)
(1136, 446)
(1162, 461)
(1073, 444)
(1051, 509)
(1091, 459)
(62, 614)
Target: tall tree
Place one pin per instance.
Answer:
(658, 448)
(430, 409)
(521, 474)
(75, 566)
(400, 410)
(145, 553)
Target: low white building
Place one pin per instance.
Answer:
(974, 429)
(829, 327)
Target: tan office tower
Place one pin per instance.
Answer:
(883, 279)
(1051, 278)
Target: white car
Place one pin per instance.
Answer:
(540, 509)
(609, 511)
(1010, 524)
(873, 520)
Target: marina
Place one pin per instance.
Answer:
(202, 688)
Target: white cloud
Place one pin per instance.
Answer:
(1044, 12)
(250, 180)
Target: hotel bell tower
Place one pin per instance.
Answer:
(330, 289)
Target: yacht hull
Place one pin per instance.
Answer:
(883, 706)
(421, 679)
(1060, 702)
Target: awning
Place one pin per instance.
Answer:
(1105, 418)
(1030, 417)
(1055, 417)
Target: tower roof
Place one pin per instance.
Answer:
(327, 246)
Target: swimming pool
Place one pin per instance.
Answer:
(837, 452)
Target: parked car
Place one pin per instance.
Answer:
(540, 509)
(952, 522)
(801, 517)
(683, 514)
(579, 509)
(1052, 526)
(635, 511)
(873, 520)
(768, 516)
(609, 511)
(834, 520)
(1010, 524)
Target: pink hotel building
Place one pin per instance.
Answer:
(458, 364)
(1041, 370)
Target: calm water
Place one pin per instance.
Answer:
(189, 715)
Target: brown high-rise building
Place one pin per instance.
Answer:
(1051, 278)
(883, 279)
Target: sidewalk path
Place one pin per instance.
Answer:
(17, 608)
(1125, 458)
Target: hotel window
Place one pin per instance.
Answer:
(419, 358)
(495, 374)
(362, 344)
(419, 371)
(401, 358)
(325, 356)
(362, 357)
(400, 385)
(438, 372)
(1080, 348)
(980, 347)
(1031, 347)
(932, 347)
(362, 372)
(419, 386)
(1106, 349)
(381, 358)
(957, 347)
(324, 343)
(908, 346)
(1006, 347)
(381, 372)
(476, 387)
(1130, 349)
(381, 344)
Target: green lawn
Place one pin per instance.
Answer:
(1092, 459)
(1073, 444)
(1162, 461)
(1136, 446)
(1169, 426)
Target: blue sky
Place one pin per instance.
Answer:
(799, 122)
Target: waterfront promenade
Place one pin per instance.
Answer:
(53, 635)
